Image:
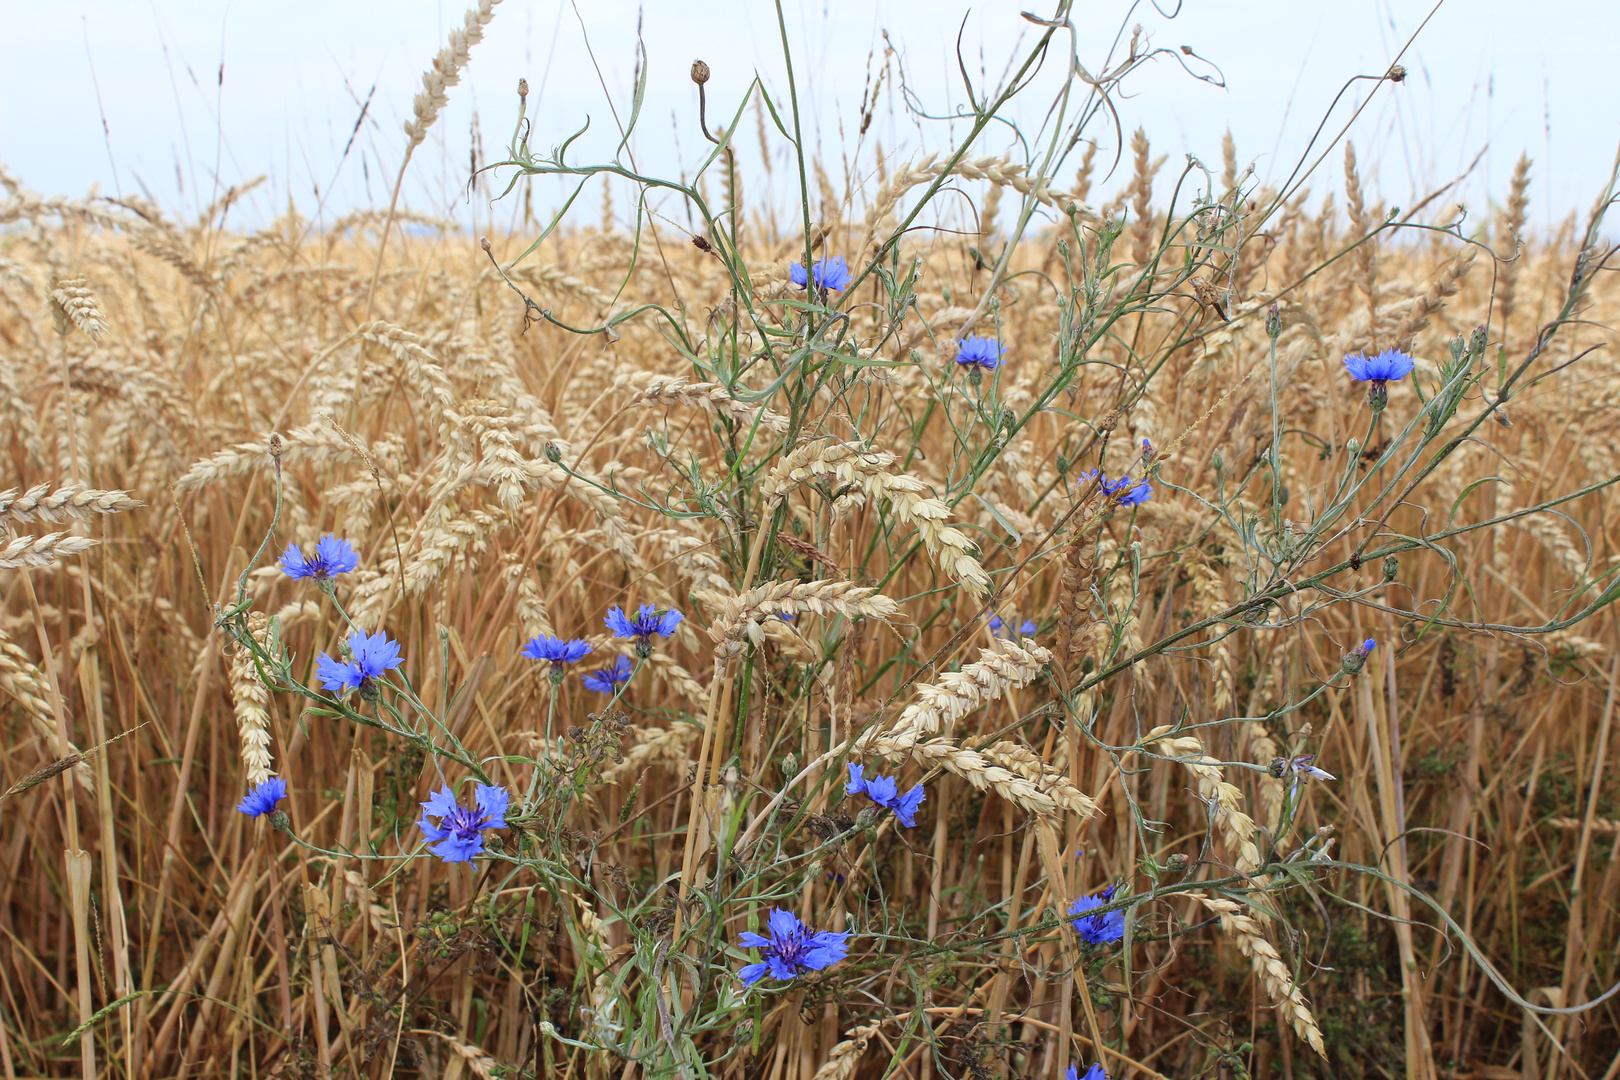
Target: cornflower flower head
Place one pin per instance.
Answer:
(1356, 658)
(561, 653)
(1093, 1073)
(459, 835)
(829, 274)
(371, 656)
(999, 628)
(262, 799)
(1391, 364)
(885, 791)
(981, 352)
(1298, 769)
(1103, 929)
(608, 679)
(1123, 492)
(648, 622)
(791, 948)
(332, 557)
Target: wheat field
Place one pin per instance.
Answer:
(1318, 718)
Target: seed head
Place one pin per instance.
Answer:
(700, 72)
(523, 90)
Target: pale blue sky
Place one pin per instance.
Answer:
(295, 72)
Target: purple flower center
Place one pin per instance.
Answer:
(465, 822)
(793, 947)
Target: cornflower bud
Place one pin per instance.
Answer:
(1273, 323)
(1392, 566)
(700, 72)
(1356, 658)
(553, 453)
(1477, 340)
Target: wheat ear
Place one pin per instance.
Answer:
(843, 1058)
(1268, 965)
(712, 398)
(250, 700)
(744, 615)
(28, 685)
(938, 706)
(42, 550)
(1223, 798)
(73, 304)
(70, 502)
(865, 472)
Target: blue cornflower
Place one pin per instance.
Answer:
(607, 680)
(558, 651)
(1098, 929)
(460, 831)
(1378, 371)
(829, 274)
(982, 352)
(1122, 491)
(1093, 1073)
(332, 557)
(885, 791)
(647, 622)
(1391, 364)
(262, 799)
(791, 949)
(998, 628)
(372, 655)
